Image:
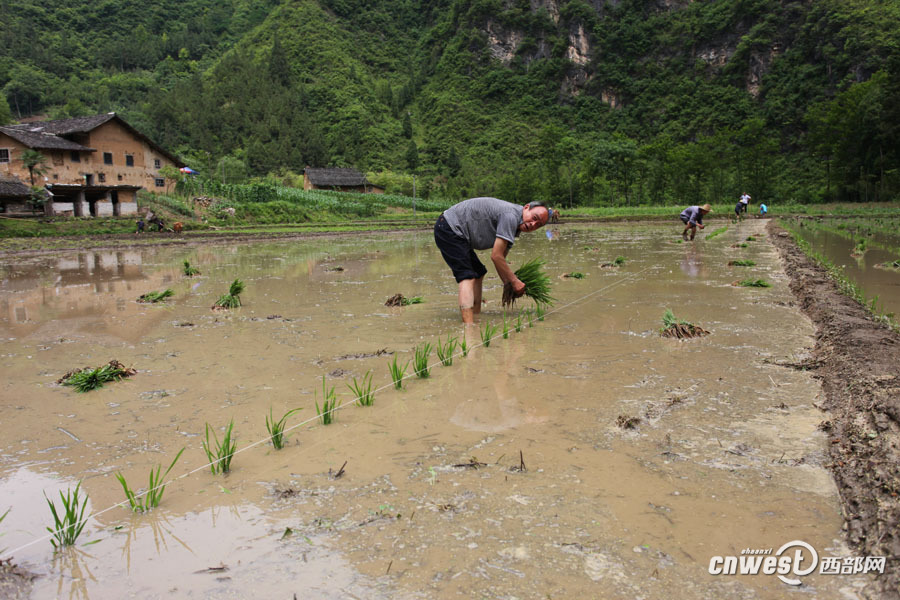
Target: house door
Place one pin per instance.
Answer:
(114, 198)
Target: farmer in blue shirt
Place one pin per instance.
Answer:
(692, 217)
(482, 224)
(763, 209)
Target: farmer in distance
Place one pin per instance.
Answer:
(692, 217)
(479, 224)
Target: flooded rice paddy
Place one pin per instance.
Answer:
(643, 456)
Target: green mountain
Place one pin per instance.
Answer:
(578, 101)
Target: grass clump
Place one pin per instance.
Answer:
(397, 372)
(69, 521)
(362, 390)
(188, 270)
(537, 284)
(716, 232)
(329, 404)
(219, 453)
(276, 428)
(233, 298)
(741, 263)
(445, 350)
(487, 333)
(85, 380)
(154, 297)
(421, 361)
(754, 283)
(152, 497)
(679, 328)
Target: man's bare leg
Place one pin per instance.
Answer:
(467, 300)
(476, 296)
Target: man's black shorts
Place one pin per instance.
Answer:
(457, 253)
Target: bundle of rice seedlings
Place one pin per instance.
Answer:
(189, 270)
(741, 263)
(757, 283)
(153, 297)
(413, 300)
(537, 284)
(87, 379)
(679, 328)
(574, 275)
(232, 298)
(401, 300)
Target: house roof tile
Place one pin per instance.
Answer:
(34, 136)
(12, 187)
(335, 177)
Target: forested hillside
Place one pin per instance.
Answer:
(575, 102)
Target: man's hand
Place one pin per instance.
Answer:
(518, 287)
(701, 225)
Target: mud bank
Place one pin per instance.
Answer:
(856, 358)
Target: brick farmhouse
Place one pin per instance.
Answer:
(93, 166)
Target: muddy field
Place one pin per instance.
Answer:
(585, 456)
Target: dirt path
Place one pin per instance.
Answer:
(857, 360)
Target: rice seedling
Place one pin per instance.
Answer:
(276, 428)
(716, 232)
(421, 360)
(154, 297)
(67, 528)
(86, 380)
(445, 350)
(530, 316)
(540, 311)
(397, 372)
(537, 284)
(679, 328)
(233, 298)
(413, 300)
(188, 270)
(519, 323)
(155, 488)
(756, 283)
(329, 404)
(362, 390)
(505, 327)
(860, 248)
(741, 263)
(464, 346)
(487, 333)
(620, 260)
(574, 275)
(218, 453)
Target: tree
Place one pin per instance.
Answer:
(5, 111)
(35, 162)
(412, 156)
(171, 174)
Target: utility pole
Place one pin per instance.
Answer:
(414, 195)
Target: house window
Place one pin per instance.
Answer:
(129, 160)
(120, 177)
(4, 155)
(57, 159)
(101, 177)
(107, 158)
(156, 163)
(75, 156)
(160, 182)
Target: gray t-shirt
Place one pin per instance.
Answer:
(480, 221)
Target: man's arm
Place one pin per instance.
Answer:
(498, 257)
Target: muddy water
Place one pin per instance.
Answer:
(432, 502)
(863, 270)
